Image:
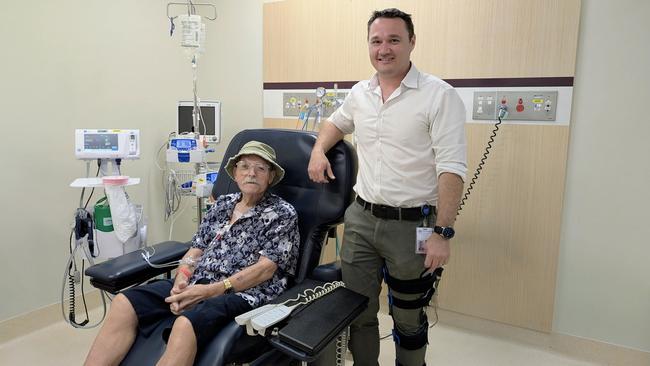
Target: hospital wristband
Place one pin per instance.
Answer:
(185, 271)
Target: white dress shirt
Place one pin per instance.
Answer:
(405, 143)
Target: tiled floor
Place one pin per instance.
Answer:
(60, 344)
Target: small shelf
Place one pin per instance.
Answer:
(97, 182)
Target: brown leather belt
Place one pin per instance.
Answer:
(393, 213)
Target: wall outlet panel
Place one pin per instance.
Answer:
(293, 102)
(522, 105)
(484, 106)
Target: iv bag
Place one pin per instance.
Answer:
(190, 30)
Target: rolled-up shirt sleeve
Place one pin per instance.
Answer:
(448, 135)
(342, 118)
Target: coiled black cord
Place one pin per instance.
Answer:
(73, 265)
(71, 297)
(480, 165)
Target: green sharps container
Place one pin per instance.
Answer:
(103, 219)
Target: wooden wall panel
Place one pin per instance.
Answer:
(293, 123)
(315, 40)
(326, 40)
(504, 258)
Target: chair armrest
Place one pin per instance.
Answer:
(312, 328)
(327, 272)
(130, 269)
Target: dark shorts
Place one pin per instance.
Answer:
(207, 317)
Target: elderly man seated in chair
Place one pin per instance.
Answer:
(246, 246)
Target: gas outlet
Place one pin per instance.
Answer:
(521, 105)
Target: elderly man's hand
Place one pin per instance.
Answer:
(188, 297)
(180, 284)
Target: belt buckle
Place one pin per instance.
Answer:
(368, 206)
(375, 210)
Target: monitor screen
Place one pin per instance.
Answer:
(185, 120)
(100, 141)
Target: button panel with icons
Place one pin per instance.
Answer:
(521, 105)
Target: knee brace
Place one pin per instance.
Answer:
(414, 341)
(425, 285)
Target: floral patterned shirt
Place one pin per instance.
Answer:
(269, 229)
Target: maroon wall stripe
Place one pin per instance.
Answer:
(309, 85)
(459, 83)
(510, 82)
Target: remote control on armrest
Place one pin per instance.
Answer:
(245, 318)
(263, 321)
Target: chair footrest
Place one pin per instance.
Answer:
(130, 269)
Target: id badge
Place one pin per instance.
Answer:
(421, 236)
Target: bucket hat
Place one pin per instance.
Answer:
(262, 150)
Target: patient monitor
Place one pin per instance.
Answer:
(209, 119)
(107, 144)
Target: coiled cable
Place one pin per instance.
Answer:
(342, 347)
(310, 294)
(70, 280)
(72, 301)
(502, 113)
(71, 277)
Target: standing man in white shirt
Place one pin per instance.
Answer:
(409, 129)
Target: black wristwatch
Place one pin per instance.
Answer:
(446, 232)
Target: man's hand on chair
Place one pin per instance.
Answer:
(318, 165)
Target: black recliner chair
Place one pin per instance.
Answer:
(320, 209)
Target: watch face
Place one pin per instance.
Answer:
(448, 232)
(445, 232)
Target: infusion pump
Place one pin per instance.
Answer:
(107, 144)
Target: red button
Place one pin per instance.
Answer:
(520, 107)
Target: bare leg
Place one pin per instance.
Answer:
(181, 347)
(116, 336)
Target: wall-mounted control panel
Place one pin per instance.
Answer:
(294, 103)
(521, 105)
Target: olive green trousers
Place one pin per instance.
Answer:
(369, 243)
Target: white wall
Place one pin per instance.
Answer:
(96, 64)
(603, 289)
